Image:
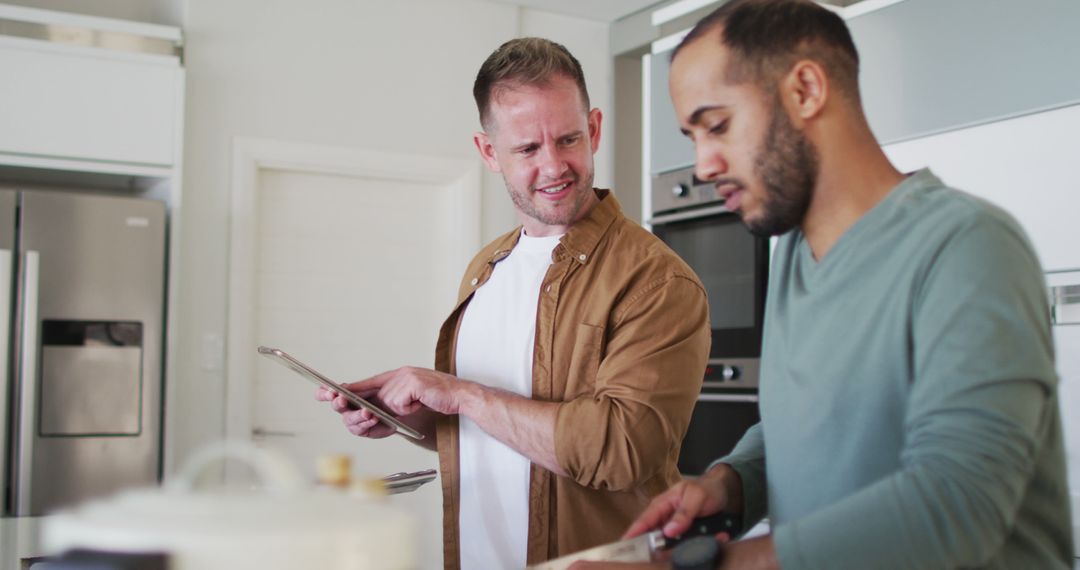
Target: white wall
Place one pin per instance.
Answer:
(588, 41)
(392, 75)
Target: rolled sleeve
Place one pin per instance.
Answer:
(625, 431)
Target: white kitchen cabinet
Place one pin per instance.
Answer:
(1024, 164)
(71, 103)
(93, 105)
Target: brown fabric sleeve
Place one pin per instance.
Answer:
(622, 434)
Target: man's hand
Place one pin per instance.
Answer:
(359, 422)
(405, 393)
(409, 389)
(720, 489)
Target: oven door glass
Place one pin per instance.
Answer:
(733, 265)
(717, 424)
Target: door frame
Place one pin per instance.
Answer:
(253, 155)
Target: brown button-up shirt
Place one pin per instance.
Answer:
(622, 339)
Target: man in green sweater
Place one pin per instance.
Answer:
(909, 414)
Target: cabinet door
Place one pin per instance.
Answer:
(1067, 341)
(669, 149)
(1026, 165)
(69, 103)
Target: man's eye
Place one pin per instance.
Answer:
(528, 150)
(570, 140)
(719, 128)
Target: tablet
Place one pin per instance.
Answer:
(283, 358)
(407, 482)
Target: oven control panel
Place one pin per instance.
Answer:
(679, 189)
(731, 373)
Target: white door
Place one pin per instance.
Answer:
(353, 276)
(1067, 346)
(1067, 350)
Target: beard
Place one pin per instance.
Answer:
(787, 165)
(564, 214)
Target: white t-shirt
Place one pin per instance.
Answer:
(495, 348)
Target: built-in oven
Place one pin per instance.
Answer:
(733, 265)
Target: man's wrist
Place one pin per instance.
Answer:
(753, 554)
(729, 482)
(470, 397)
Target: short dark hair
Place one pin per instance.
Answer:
(525, 61)
(767, 37)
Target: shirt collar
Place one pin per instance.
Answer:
(580, 240)
(583, 237)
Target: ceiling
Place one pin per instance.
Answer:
(611, 10)
(600, 10)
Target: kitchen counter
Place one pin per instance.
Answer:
(19, 540)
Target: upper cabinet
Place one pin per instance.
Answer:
(668, 148)
(77, 90)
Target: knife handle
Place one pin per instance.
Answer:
(711, 526)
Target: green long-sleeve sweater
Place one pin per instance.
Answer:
(908, 398)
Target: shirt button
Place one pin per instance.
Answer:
(475, 280)
(582, 257)
(548, 289)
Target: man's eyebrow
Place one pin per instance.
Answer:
(527, 144)
(523, 145)
(695, 117)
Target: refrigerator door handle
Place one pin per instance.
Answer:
(5, 378)
(27, 380)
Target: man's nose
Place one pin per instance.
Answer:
(552, 163)
(709, 162)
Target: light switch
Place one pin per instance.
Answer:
(213, 352)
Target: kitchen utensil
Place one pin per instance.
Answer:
(407, 482)
(645, 547)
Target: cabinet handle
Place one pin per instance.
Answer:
(5, 377)
(1065, 304)
(28, 340)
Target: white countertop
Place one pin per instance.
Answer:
(18, 540)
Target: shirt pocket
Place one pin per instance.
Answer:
(585, 360)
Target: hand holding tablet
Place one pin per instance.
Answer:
(311, 374)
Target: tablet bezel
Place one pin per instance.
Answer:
(290, 362)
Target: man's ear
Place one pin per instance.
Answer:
(804, 91)
(487, 151)
(595, 118)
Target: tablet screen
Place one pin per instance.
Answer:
(283, 358)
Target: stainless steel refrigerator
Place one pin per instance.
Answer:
(82, 289)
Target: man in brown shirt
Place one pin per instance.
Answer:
(615, 340)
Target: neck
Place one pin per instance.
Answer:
(854, 175)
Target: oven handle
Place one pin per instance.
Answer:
(746, 398)
(680, 216)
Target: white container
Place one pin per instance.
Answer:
(282, 526)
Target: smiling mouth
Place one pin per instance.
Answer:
(554, 189)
